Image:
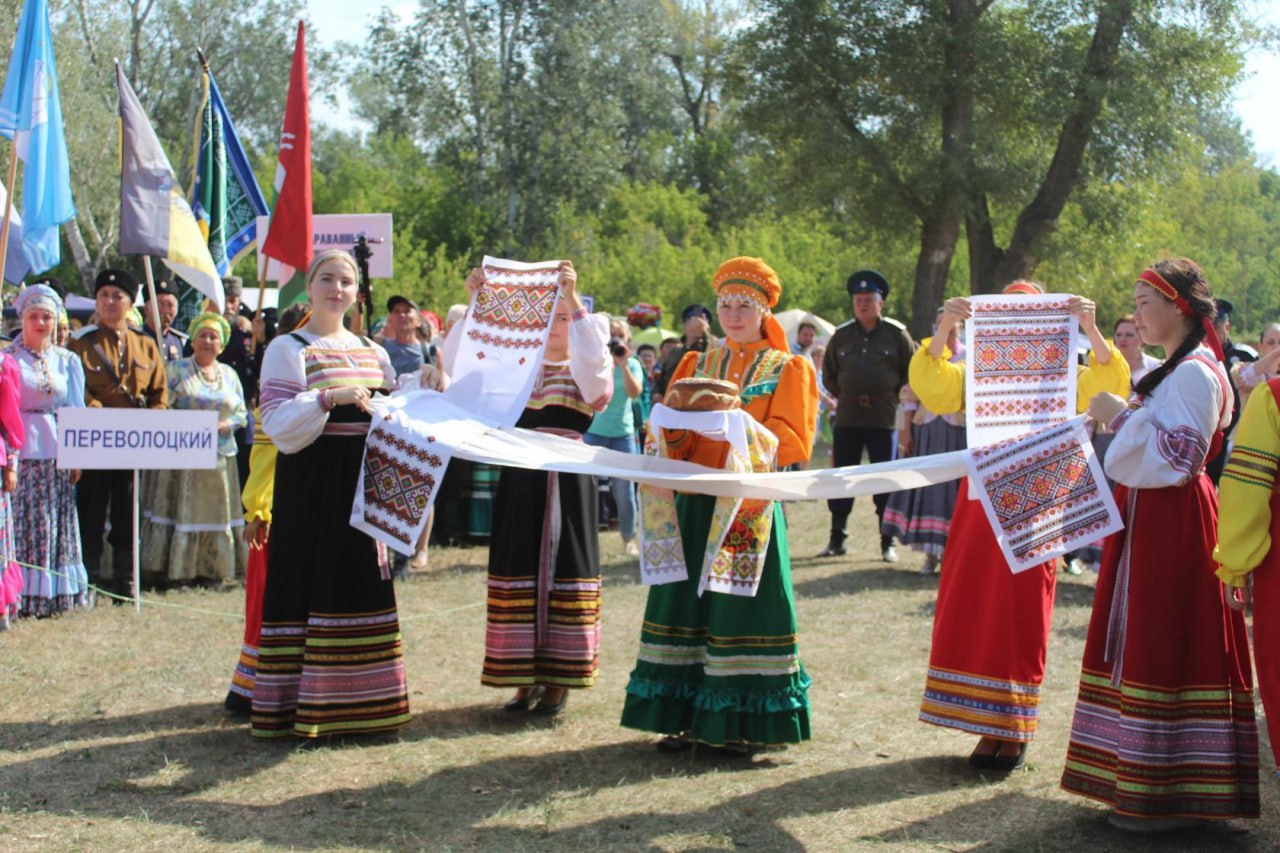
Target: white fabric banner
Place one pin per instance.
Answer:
(502, 339)
(1020, 372)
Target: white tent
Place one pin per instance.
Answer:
(791, 319)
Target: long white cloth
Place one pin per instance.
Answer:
(1020, 372)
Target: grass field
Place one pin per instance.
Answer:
(112, 737)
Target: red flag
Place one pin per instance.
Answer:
(289, 233)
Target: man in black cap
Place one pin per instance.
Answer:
(1234, 354)
(406, 350)
(864, 369)
(172, 342)
(697, 337)
(123, 368)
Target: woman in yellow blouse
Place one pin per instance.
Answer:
(1247, 534)
(259, 488)
(991, 626)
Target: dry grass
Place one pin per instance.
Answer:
(112, 737)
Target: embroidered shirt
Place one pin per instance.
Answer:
(294, 375)
(1164, 441)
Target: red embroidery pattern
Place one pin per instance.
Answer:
(523, 306)
(1045, 497)
(1021, 353)
(503, 341)
(395, 485)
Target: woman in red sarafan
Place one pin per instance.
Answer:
(991, 626)
(1164, 728)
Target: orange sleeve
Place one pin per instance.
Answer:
(681, 443)
(792, 411)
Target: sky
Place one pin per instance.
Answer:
(1256, 96)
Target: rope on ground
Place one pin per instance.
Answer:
(155, 601)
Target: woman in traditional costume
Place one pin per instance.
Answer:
(1164, 728)
(1249, 538)
(543, 631)
(44, 507)
(330, 660)
(921, 517)
(991, 626)
(720, 669)
(257, 497)
(191, 527)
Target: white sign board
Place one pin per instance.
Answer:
(137, 439)
(340, 231)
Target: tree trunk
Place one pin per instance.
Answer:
(938, 236)
(80, 253)
(940, 225)
(984, 255)
(1039, 219)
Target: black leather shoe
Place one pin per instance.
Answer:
(525, 702)
(832, 550)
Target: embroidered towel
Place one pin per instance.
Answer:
(1020, 374)
(1044, 493)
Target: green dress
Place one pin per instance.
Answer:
(724, 668)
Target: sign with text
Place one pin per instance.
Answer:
(137, 439)
(340, 231)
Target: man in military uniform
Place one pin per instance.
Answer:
(123, 368)
(864, 369)
(1233, 354)
(172, 342)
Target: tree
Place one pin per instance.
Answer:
(969, 115)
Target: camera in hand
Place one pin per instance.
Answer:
(617, 348)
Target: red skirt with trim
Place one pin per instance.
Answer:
(990, 634)
(1172, 733)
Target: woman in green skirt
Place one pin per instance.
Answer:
(724, 669)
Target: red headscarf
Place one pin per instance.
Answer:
(1150, 277)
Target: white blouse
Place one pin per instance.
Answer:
(294, 376)
(1164, 441)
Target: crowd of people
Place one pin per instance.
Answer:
(1164, 729)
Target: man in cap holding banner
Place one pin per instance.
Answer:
(123, 368)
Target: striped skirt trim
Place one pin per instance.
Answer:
(330, 675)
(1150, 752)
(246, 671)
(564, 653)
(1005, 709)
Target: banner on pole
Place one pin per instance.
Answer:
(339, 231)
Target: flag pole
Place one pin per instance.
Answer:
(151, 301)
(8, 206)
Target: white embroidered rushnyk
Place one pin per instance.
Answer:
(503, 338)
(1044, 493)
(498, 355)
(1020, 371)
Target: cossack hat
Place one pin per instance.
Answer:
(694, 310)
(118, 279)
(867, 281)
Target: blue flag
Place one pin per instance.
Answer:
(31, 115)
(226, 198)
